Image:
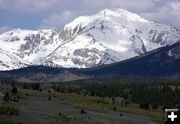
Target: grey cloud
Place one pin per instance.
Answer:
(168, 14)
(26, 5)
(164, 11)
(57, 21)
(4, 28)
(63, 11)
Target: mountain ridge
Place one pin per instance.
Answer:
(107, 37)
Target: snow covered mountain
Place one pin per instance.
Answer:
(20, 48)
(106, 37)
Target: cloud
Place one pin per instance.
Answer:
(26, 5)
(168, 14)
(57, 21)
(4, 28)
(68, 10)
(73, 5)
(60, 12)
(135, 5)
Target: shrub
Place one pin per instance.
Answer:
(82, 111)
(144, 106)
(8, 110)
(6, 97)
(16, 99)
(14, 90)
(114, 108)
(64, 116)
(121, 114)
(154, 106)
(60, 113)
(49, 98)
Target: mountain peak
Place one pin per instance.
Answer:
(109, 36)
(118, 12)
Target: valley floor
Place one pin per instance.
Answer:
(43, 107)
(41, 110)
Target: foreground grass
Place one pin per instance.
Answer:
(80, 121)
(91, 103)
(88, 103)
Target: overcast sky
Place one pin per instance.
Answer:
(35, 14)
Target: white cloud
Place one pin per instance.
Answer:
(164, 11)
(168, 14)
(69, 9)
(62, 11)
(134, 5)
(57, 21)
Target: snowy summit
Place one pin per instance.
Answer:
(106, 37)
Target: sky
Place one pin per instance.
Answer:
(54, 14)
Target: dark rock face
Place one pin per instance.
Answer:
(138, 45)
(69, 34)
(14, 39)
(86, 52)
(31, 46)
(32, 41)
(157, 38)
(91, 56)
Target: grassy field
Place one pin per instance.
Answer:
(43, 107)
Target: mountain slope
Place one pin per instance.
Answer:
(107, 37)
(26, 46)
(163, 62)
(160, 62)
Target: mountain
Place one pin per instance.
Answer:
(160, 63)
(21, 48)
(107, 37)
